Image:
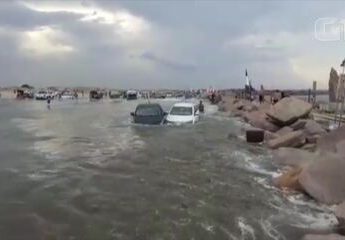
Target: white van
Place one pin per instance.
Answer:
(183, 113)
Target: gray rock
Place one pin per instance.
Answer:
(289, 110)
(292, 157)
(323, 237)
(312, 139)
(269, 136)
(249, 107)
(311, 147)
(292, 139)
(313, 128)
(299, 124)
(332, 85)
(340, 214)
(259, 119)
(327, 141)
(324, 178)
(283, 131)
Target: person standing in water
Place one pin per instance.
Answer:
(48, 102)
(201, 107)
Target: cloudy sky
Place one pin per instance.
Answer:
(167, 44)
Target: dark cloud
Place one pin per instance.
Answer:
(174, 65)
(188, 44)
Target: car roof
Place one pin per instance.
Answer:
(184, 104)
(148, 105)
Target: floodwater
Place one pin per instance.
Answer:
(82, 171)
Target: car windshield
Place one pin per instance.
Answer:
(182, 111)
(148, 111)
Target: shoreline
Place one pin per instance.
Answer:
(291, 160)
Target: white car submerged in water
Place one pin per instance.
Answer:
(183, 113)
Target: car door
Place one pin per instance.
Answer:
(196, 113)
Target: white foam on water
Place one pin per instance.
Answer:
(247, 161)
(247, 231)
(318, 216)
(270, 230)
(207, 227)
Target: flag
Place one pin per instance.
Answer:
(247, 79)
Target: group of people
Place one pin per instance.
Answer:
(274, 98)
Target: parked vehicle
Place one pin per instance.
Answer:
(24, 94)
(183, 113)
(149, 113)
(115, 94)
(68, 96)
(131, 95)
(95, 95)
(42, 95)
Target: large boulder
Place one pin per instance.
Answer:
(289, 110)
(313, 128)
(340, 214)
(332, 85)
(326, 143)
(289, 180)
(324, 178)
(323, 237)
(299, 124)
(259, 119)
(283, 131)
(292, 157)
(292, 139)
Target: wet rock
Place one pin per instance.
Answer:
(259, 119)
(283, 131)
(299, 124)
(289, 110)
(292, 139)
(323, 237)
(340, 214)
(269, 136)
(332, 85)
(313, 128)
(292, 157)
(289, 180)
(323, 178)
(255, 135)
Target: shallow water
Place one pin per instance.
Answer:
(82, 171)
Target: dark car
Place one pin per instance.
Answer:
(95, 95)
(149, 113)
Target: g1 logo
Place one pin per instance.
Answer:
(330, 29)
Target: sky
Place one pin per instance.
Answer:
(169, 44)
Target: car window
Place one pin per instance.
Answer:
(182, 111)
(148, 111)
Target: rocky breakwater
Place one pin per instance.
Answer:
(311, 157)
